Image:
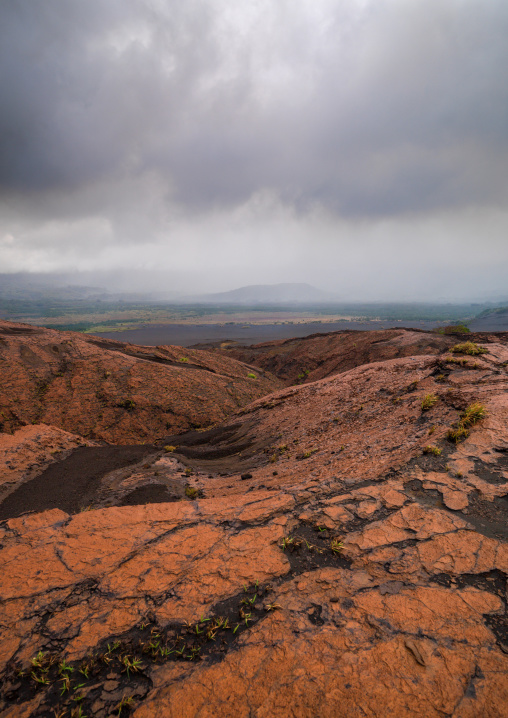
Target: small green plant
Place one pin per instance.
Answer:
(459, 362)
(251, 375)
(128, 405)
(336, 545)
(456, 434)
(39, 660)
(432, 450)
(469, 417)
(191, 492)
(131, 664)
(184, 360)
(169, 449)
(432, 430)
(126, 702)
(473, 414)
(272, 606)
(468, 348)
(428, 401)
(307, 454)
(63, 668)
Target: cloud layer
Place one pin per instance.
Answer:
(235, 141)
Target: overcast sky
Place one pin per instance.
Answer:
(358, 145)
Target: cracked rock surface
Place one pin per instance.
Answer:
(315, 558)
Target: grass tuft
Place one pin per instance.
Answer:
(474, 413)
(432, 450)
(468, 348)
(191, 492)
(428, 401)
(469, 417)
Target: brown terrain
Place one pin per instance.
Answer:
(317, 356)
(326, 550)
(116, 392)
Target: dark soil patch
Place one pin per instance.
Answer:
(489, 473)
(148, 494)
(21, 331)
(427, 497)
(310, 547)
(493, 582)
(71, 484)
(224, 450)
(488, 517)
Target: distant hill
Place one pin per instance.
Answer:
(269, 294)
(490, 320)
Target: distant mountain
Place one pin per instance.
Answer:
(269, 294)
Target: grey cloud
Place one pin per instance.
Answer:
(319, 106)
(201, 129)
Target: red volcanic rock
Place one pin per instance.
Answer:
(305, 359)
(321, 560)
(116, 392)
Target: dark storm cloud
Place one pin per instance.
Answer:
(367, 108)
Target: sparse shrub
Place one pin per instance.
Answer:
(169, 449)
(428, 401)
(457, 434)
(473, 414)
(184, 360)
(191, 492)
(468, 348)
(454, 329)
(128, 405)
(336, 545)
(301, 377)
(459, 362)
(469, 417)
(435, 450)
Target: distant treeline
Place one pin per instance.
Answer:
(54, 307)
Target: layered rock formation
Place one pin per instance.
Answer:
(327, 550)
(305, 359)
(116, 392)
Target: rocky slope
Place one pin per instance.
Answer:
(325, 551)
(317, 356)
(116, 392)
